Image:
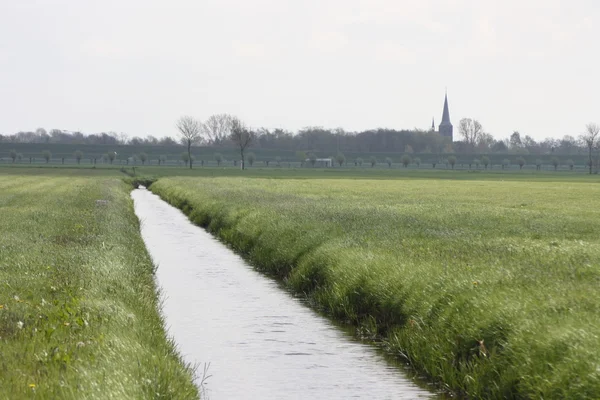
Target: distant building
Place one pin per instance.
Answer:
(446, 128)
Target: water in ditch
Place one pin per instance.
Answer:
(261, 342)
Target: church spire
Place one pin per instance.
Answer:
(433, 124)
(446, 113)
(446, 128)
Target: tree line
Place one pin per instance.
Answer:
(217, 131)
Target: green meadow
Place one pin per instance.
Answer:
(78, 305)
(485, 284)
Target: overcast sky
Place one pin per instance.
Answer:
(135, 66)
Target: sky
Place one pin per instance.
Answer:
(136, 66)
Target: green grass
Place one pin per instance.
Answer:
(488, 285)
(78, 305)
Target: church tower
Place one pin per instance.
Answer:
(446, 126)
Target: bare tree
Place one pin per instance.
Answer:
(190, 130)
(589, 139)
(471, 130)
(217, 128)
(241, 135)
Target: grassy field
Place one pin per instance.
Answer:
(78, 305)
(486, 283)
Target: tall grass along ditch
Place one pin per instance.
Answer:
(489, 288)
(78, 305)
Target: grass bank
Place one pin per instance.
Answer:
(78, 305)
(488, 287)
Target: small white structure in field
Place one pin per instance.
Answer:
(320, 162)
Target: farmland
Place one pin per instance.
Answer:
(78, 306)
(487, 285)
(484, 282)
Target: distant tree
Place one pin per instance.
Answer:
(476, 162)
(143, 158)
(448, 148)
(340, 158)
(301, 156)
(162, 160)
(571, 164)
(218, 158)
(538, 164)
(190, 131)
(47, 155)
(251, 158)
(555, 162)
(185, 157)
(104, 158)
(589, 139)
(405, 160)
(434, 163)
(470, 130)
(408, 149)
(359, 161)
(19, 157)
(515, 140)
(520, 161)
(111, 156)
(486, 161)
(278, 161)
(417, 161)
(241, 136)
(217, 128)
(312, 157)
(505, 163)
(134, 158)
(452, 161)
(373, 161)
(13, 155)
(78, 156)
(388, 161)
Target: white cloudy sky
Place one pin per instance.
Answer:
(135, 66)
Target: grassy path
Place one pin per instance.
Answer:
(78, 306)
(488, 287)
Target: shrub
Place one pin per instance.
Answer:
(520, 162)
(218, 158)
(143, 157)
(486, 161)
(388, 161)
(251, 158)
(476, 162)
(78, 156)
(417, 161)
(340, 159)
(452, 161)
(405, 160)
(538, 164)
(555, 162)
(373, 161)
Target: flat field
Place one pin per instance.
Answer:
(488, 285)
(78, 306)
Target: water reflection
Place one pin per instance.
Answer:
(261, 342)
